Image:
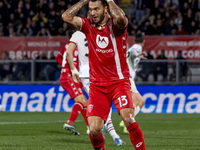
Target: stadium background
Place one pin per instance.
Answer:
(35, 27)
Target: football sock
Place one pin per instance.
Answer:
(97, 142)
(136, 136)
(110, 128)
(83, 112)
(76, 110)
(137, 109)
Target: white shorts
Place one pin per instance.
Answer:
(86, 84)
(133, 86)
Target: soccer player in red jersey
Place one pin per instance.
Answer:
(109, 73)
(74, 89)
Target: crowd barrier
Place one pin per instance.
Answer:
(52, 98)
(29, 72)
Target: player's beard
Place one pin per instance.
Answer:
(101, 17)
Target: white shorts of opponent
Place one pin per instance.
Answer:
(133, 86)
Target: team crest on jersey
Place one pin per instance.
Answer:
(102, 41)
(90, 107)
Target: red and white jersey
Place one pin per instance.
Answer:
(107, 50)
(61, 58)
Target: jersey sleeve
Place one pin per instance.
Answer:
(84, 26)
(59, 56)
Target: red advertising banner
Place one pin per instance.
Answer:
(32, 46)
(190, 46)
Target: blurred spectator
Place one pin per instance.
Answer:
(5, 67)
(172, 2)
(180, 30)
(1, 29)
(193, 28)
(178, 19)
(183, 67)
(187, 19)
(156, 8)
(44, 32)
(24, 31)
(145, 18)
(23, 70)
(173, 11)
(2, 11)
(10, 30)
(161, 67)
(53, 22)
(160, 29)
(147, 68)
(170, 27)
(184, 8)
(140, 9)
(197, 18)
(40, 17)
(50, 68)
(34, 28)
(149, 28)
(64, 30)
(131, 9)
(130, 24)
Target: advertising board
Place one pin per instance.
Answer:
(52, 98)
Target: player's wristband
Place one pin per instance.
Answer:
(109, 1)
(75, 72)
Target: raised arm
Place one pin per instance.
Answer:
(70, 17)
(118, 14)
(75, 73)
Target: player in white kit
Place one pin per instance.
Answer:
(134, 55)
(79, 40)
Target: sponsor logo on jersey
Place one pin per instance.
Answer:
(100, 27)
(139, 144)
(102, 41)
(104, 51)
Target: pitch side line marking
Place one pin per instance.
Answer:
(42, 122)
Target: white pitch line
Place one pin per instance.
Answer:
(42, 122)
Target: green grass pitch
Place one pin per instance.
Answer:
(43, 131)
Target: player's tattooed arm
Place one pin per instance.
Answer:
(70, 17)
(118, 15)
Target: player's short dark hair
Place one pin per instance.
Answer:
(104, 2)
(139, 38)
